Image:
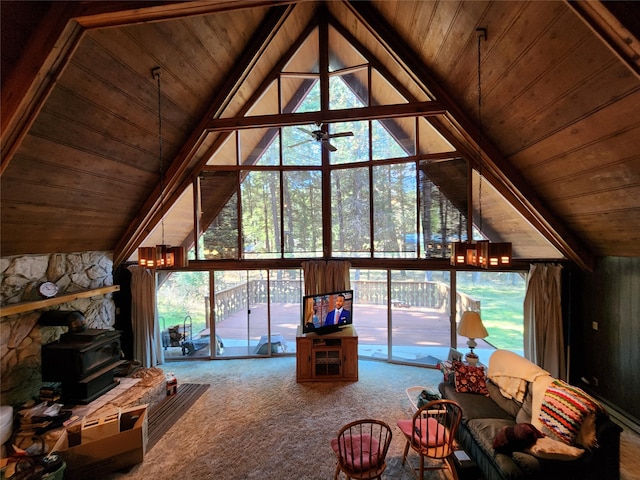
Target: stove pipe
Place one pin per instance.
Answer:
(60, 318)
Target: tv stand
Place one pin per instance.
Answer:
(332, 356)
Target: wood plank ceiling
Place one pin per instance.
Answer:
(561, 109)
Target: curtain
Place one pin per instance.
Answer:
(543, 337)
(147, 345)
(324, 277)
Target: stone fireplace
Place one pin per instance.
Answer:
(21, 335)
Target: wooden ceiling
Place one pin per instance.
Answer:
(560, 108)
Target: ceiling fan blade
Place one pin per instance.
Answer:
(330, 147)
(300, 143)
(340, 134)
(308, 132)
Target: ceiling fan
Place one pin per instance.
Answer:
(321, 136)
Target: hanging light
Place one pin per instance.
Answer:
(481, 253)
(161, 256)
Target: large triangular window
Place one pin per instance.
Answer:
(376, 187)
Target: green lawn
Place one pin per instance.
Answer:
(502, 313)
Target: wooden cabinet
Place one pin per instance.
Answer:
(327, 357)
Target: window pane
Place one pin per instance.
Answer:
(299, 146)
(394, 209)
(302, 213)
(421, 325)
(285, 296)
(299, 93)
(353, 148)
(261, 214)
(350, 224)
(347, 91)
(219, 216)
(183, 313)
(260, 146)
(226, 154)
(443, 206)
(342, 53)
(393, 138)
(306, 57)
(500, 301)
(430, 139)
(369, 311)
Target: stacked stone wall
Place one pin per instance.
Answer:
(21, 336)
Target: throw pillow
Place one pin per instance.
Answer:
(470, 379)
(516, 438)
(565, 410)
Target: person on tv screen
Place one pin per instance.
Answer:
(339, 315)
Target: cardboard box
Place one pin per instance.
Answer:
(111, 453)
(98, 428)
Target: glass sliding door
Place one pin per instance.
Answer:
(420, 319)
(499, 297)
(285, 295)
(183, 313)
(369, 312)
(240, 311)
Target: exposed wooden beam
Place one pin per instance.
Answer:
(193, 148)
(28, 86)
(26, 89)
(507, 179)
(179, 172)
(422, 109)
(611, 29)
(111, 14)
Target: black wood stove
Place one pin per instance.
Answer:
(83, 360)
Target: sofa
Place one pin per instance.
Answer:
(521, 423)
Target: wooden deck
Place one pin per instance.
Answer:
(417, 331)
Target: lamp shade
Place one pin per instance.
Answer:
(471, 326)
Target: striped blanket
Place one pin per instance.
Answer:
(569, 414)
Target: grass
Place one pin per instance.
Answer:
(502, 313)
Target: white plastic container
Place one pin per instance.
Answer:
(6, 426)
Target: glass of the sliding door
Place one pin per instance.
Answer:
(240, 310)
(420, 321)
(183, 314)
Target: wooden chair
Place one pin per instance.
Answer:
(361, 449)
(431, 434)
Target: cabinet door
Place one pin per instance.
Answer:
(350, 358)
(327, 362)
(303, 359)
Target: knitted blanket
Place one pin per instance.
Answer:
(569, 414)
(511, 373)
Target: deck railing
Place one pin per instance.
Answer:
(427, 294)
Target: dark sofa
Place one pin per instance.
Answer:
(484, 417)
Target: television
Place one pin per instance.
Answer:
(319, 311)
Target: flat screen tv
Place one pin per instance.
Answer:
(327, 312)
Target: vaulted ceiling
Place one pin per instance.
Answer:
(560, 110)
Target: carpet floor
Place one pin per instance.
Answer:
(256, 422)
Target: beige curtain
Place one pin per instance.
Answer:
(543, 337)
(147, 345)
(323, 277)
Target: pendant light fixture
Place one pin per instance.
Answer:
(481, 253)
(161, 256)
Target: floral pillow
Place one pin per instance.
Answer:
(470, 379)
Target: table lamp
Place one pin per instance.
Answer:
(472, 328)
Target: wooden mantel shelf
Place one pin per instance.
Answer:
(22, 307)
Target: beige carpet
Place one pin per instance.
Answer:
(256, 422)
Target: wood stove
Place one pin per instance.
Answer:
(84, 362)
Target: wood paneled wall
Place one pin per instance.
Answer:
(609, 296)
